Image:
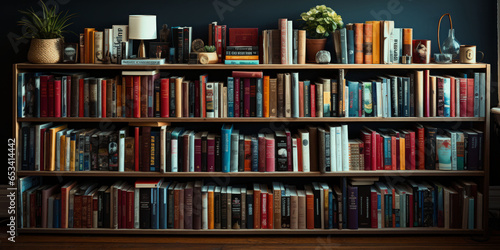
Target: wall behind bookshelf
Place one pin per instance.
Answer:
(478, 30)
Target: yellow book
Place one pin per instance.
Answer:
(402, 147)
(72, 154)
(178, 96)
(51, 149)
(211, 207)
(265, 102)
(376, 41)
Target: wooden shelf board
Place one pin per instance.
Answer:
(60, 66)
(496, 110)
(378, 173)
(419, 230)
(255, 119)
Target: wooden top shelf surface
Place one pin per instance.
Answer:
(78, 66)
(378, 173)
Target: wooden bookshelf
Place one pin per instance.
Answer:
(480, 177)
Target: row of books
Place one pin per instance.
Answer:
(177, 149)
(250, 94)
(108, 46)
(375, 42)
(243, 47)
(284, 45)
(165, 204)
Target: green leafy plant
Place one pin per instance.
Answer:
(209, 48)
(321, 21)
(48, 25)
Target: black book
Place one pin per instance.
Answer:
(185, 44)
(217, 208)
(334, 101)
(317, 205)
(103, 157)
(224, 208)
(145, 208)
(155, 150)
(480, 139)
(170, 205)
(106, 207)
(416, 199)
(242, 53)
(86, 95)
(25, 135)
(204, 151)
(31, 156)
(400, 97)
(113, 151)
(180, 153)
(364, 193)
(406, 97)
(253, 96)
(93, 97)
(178, 43)
(241, 153)
(172, 96)
(472, 150)
(242, 98)
(94, 151)
(307, 99)
(281, 151)
(430, 147)
(412, 95)
(218, 154)
(249, 209)
(236, 208)
(157, 96)
(168, 149)
(321, 150)
(191, 99)
(428, 206)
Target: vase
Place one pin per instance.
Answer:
(312, 47)
(451, 45)
(45, 50)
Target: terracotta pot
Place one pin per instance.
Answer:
(45, 50)
(312, 47)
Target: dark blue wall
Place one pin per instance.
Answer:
(474, 21)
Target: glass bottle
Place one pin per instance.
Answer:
(451, 45)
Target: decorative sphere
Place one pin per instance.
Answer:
(323, 57)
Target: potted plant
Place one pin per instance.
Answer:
(320, 22)
(46, 33)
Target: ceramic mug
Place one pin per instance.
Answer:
(468, 54)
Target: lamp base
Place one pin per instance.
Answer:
(141, 54)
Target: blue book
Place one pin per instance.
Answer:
(330, 208)
(307, 98)
(226, 147)
(447, 96)
(389, 210)
(155, 218)
(353, 99)
(295, 95)
(21, 95)
(260, 98)
(470, 223)
(255, 154)
(242, 62)
(350, 46)
(57, 213)
(163, 205)
(230, 96)
(387, 150)
(343, 46)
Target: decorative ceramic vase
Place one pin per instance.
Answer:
(451, 45)
(45, 50)
(312, 47)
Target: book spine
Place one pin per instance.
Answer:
(283, 27)
(358, 43)
(368, 43)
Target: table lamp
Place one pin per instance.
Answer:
(142, 27)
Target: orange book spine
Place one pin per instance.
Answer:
(242, 57)
(270, 210)
(368, 43)
(91, 46)
(310, 211)
(86, 37)
(263, 210)
(376, 42)
(178, 96)
(210, 210)
(421, 149)
(265, 102)
(358, 43)
(402, 151)
(407, 42)
(256, 209)
(393, 153)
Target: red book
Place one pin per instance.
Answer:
(452, 96)
(165, 100)
(65, 203)
(44, 96)
(81, 105)
(299, 153)
(51, 97)
(246, 99)
(374, 165)
(197, 108)
(203, 82)
(270, 210)
(243, 37)
(237, 97)
(367, 140)
(283, 27)
(313, 100)
(248, 74)
(144, 90)
(130, 208)
(380, 152)
(129, 95)
(289, 149)
(263, 209)
(136, 148)
(463, 97)
(410, 150)
(410, 210)
(427, 87)
(301, 99)
(373, 208)
(197, 153)
(211, 153)
(270, 160)
(103, 98)
(57, 98)
(248, 155)
(309, 209)
(470, 97)
(420, 150)
(137, 96)
(262, 153)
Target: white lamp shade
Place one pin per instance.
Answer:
(142, 27)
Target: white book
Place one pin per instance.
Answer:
(174, 154)
(457, 97)
(338, 148)
(120, 34)
(345, 148)
(136, 205)
(163, 142)
(378, 86)
(191, 151)
(234, 150)
(295, 155)
(384, 99)
(121, 150)
(204, 207)
(453, 136)
(68, 150)
(388, 97)
(388, 27)
(210, 98)
(289, 39)
(216, 100)
(306, 162)
(99, 97)
(346, 91)
(295, 95)
(333, 149)
(396, 45)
